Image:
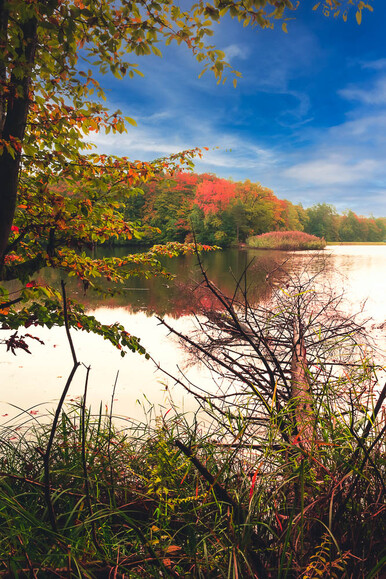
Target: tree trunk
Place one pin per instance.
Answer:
(14, 113)
(4, 16)
(301, 391)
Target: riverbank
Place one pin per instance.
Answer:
(356, 242)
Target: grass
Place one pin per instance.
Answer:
(286, 240)
(130, 500)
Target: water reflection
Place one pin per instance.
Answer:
(173, 297)
(31, 379)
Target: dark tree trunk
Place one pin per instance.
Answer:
(4, 15)
(14, 114)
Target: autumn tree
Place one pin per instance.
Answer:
(323, 221)
(224, 211)
(167, 203)
(56, 196)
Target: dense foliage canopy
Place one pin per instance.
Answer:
(224, 212)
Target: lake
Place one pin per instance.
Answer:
(34, 382)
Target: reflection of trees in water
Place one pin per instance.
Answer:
(183, 295)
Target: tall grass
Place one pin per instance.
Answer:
(286, 240)
(164, 499)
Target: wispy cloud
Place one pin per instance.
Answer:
(228, 152)
(234, 51)
(379, 64)
(375, 95)
(333, 171)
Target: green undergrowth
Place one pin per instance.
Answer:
(165, 499)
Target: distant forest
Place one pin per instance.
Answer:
(225, 212)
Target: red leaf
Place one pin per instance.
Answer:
(253, 484)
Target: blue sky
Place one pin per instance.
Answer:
(307, 119)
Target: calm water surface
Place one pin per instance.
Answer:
(37, 379)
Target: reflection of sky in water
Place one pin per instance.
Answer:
(364, 274)
(39, 378)
(359, 271)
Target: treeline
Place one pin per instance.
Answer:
(224, 212)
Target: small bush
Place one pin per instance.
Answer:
(286, 240)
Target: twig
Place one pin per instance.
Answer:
(47, 454)
(66, 324)
(10, 303)
(31, 569)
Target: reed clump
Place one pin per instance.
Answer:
(287, 241)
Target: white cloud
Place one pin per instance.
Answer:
(236, 51)
(227, 152)
(371, 127)
(332, 171)
(368, 96)
(379, 64)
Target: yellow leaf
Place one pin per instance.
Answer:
(284, 27)
(156, 51)
(316, 6)
(131, 121)
(235, 82)
(359, 16)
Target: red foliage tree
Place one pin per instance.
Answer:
(213, 195)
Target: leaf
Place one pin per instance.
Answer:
(173, 549)
(235, 82)
(284, 27)
(358, 16)
(131, 121)
(316, 6)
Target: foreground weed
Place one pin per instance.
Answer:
(163, 499)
